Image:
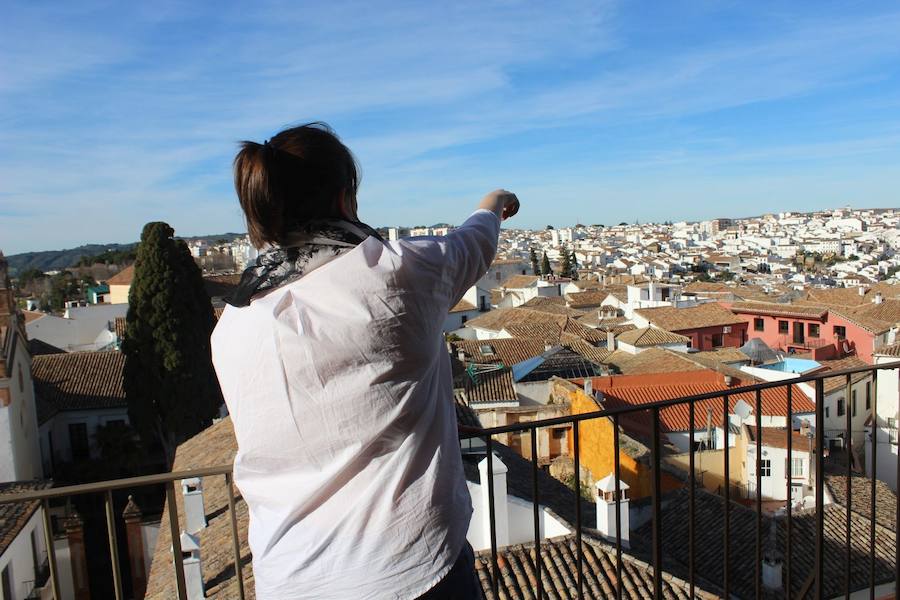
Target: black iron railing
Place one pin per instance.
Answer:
(813, 580)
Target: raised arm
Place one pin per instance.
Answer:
(471, 247)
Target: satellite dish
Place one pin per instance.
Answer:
(743, 410)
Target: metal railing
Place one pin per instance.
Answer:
(814, 580)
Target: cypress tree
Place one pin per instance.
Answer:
(545, 266)
(535, 269)
(573, 262)
(170, 385)
(565, 267)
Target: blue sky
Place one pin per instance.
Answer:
(115, 114)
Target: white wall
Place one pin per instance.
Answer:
(20, 457)
(455, 320)
(521, 521)
(774, 486)
(59, 427)
(887, 405)
(19, 559)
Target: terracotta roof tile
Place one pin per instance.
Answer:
(559, 563)
(80, 380)
(520, 281)
(123, 277)
(780, 310)
(651, 336)
(708, 557)
(463, 306)
(709, 314)
(15, 515)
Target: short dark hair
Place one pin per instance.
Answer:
(293, 178)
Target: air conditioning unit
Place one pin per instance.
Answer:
(726, 329)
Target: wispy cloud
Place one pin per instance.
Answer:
(118, 114)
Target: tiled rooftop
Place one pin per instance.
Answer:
(78, 380)
(710, 314)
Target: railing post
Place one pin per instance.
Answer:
(618, 475)
(758, 578)
(820, 487)
(174, 531)
(495, 571)
(580, 554)
(537, 516)
(848, 450)
(657, 512)
(691, 484)
(113, 545)
(51, 549)
(726, 505)
(790, 490)
(238, 571)
(872, 396)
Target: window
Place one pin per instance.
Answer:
(78, 440)
(812, 330)
(796, 467)
(759, 324)
(718, 340)
(868, 395)
(853, 403)
(827, 412)
(840, 407)
(7, 584)
(783, 327)
(765, 467)
(487, 349)
(463, 319)
(498, 275)
(116, 423)
(840, 332)
(892, 429)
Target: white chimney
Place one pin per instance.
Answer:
(771, 573)
(606, 509)
(862, 291)
(878, 298)
(501, 510)
(461, 355)
(194, 510)
(610, 340)
(193, 569)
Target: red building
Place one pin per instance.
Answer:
(709, 325)
(826, 332)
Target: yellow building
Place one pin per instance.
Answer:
(119, 285)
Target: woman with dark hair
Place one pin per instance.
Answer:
(337, 379)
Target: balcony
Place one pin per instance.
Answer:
(691, 544)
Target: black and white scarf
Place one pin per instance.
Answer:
(306, 249)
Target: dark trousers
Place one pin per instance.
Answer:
(461, 583)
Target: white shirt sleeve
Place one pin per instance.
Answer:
(471, 249)
(452, 264)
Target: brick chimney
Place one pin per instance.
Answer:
(77, 556)
(135, 539)
(610, 340)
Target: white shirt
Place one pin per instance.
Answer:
(340, 391)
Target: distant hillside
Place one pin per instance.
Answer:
(55, 260)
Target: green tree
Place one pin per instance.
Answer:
(535, 268)
(170, 384)
(565, 266)
(573, 262)
(545, 266)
